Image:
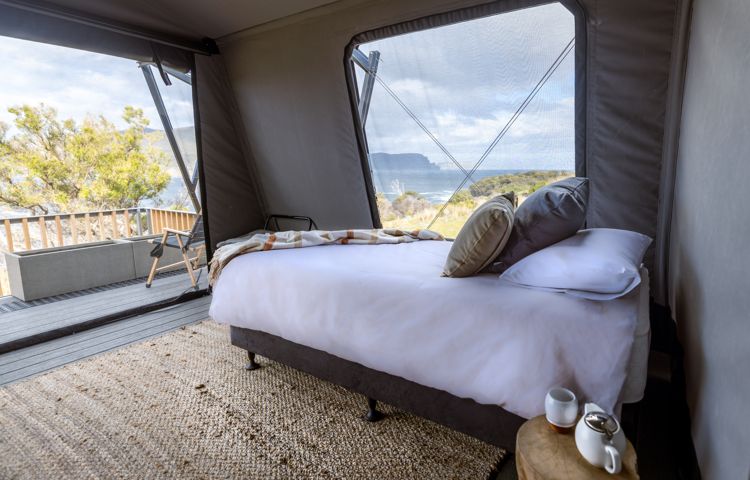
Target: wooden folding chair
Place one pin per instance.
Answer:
(192, 242)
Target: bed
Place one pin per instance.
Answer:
(477, 354)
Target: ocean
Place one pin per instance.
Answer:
(435, 185)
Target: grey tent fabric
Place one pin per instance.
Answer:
(659, 275)
(629, 65)
(232, 199)
(298, 121)
(709, 256)
(290, 82)
(28, 24)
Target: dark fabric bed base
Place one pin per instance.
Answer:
(489, 423)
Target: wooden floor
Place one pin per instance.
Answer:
(29, 322)
(24, 363)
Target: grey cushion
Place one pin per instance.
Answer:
(482, 238)
(551, 214)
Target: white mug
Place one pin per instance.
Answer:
(561, 408)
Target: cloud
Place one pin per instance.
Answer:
(492, 50)
(77, 83)
(541, 137)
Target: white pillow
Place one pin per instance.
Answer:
(598, 264)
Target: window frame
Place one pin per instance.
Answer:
(451, 17)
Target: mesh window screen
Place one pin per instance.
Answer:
(178, 102)
(465, 111)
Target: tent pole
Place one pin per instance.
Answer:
(159, 103)
(368, 85)
(172, 71)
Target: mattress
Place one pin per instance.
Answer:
(388, 308)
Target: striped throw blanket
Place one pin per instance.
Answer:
(294, 239)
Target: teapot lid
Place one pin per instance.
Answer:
(602, 423)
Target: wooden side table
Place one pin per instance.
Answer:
(542, 454)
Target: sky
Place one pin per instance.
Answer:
(79, 83)
(465, 81)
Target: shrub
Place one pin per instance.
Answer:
(489, 186)
(409, 203)
(385, 208)
(523, 183)
(463, 198)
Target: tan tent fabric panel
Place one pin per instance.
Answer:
(292, 92)
(290, 84)
(231, 200)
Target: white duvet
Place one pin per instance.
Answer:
(388, 308)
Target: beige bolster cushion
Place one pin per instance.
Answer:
(482, 237)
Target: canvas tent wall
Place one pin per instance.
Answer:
(709, 256)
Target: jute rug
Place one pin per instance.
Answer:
(182, 406)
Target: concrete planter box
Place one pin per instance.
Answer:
(53, 271)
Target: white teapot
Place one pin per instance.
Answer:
(600, 439)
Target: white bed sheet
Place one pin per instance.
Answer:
(388, 308)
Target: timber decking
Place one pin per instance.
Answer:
(29, 361)
(27, 323)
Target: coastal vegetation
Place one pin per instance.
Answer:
(410, 210)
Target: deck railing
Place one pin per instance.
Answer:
(63, 229)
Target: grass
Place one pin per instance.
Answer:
(449, 223)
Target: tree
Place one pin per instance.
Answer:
(51, 165)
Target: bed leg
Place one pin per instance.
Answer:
(251, 364)
(373, 415)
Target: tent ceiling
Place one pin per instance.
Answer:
(192, 19)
